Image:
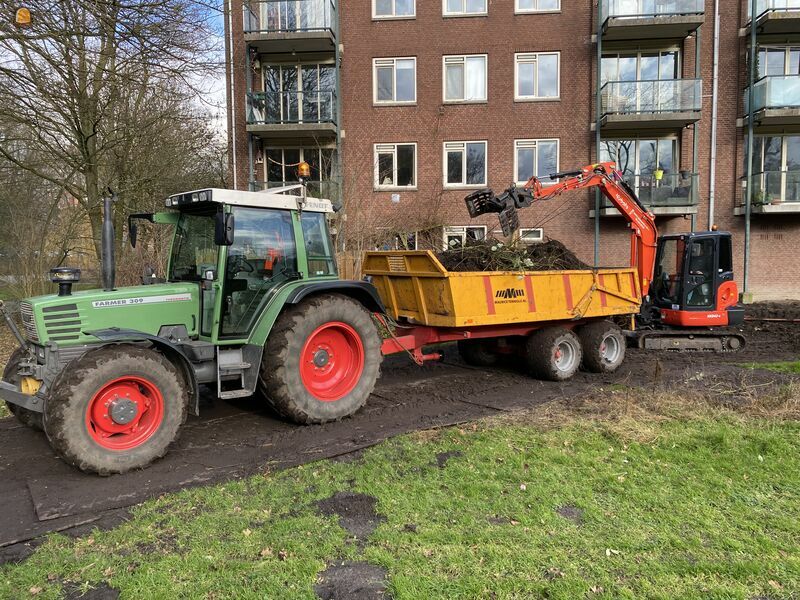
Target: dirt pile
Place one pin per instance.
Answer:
(491, 255)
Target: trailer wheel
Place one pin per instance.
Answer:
(27, 417)
(603, 346)
(477, 353)
(115, 409)
(321, 360)
(553, 353)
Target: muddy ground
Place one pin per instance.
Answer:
(40, 494)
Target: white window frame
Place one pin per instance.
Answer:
(462, 59)
(463, 13)
(534, 143)
(527, 11)
(461, 231)
(392, 148)
(537, 232)
(533, 57)
(452, 147)
(393, 16)
(385, 62)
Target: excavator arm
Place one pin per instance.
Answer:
(644, 234)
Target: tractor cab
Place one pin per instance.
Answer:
(693, 283)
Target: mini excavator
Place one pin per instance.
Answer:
(690, 300)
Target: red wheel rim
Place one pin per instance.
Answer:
(332, 361)
(125, 413)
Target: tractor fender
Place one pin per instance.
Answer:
(173, 353)
(361, 291)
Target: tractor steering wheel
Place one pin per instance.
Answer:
(238, 263)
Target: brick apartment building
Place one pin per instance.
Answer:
(402, 107)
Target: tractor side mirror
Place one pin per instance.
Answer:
(132, 230)
(223, 229)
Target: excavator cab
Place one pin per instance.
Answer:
(693, 283)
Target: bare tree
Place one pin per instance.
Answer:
(91, 82)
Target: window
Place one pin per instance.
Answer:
(319, 253)
(281, 169)
(651, 168)
(526, 6)
(457, 237)
(641, 66)
(537, 76)
(263, 256)
(776, 169)
(535, 158)
(778, 60)
(531, 236)
(464, 164)
(465, 78)
(395, 166)
(393, 9)
(395, 80)
(295, 94)
(456, 8)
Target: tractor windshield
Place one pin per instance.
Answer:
(193, 249)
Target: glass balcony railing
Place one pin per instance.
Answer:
(316, 189)
(763, 6)
(671, 189)
(279, 108)
(670, 95)
(652, 8)
(774, 91)
(776, 187)
(288, 16)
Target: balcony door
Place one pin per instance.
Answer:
(776, 168)
(649, 167)
(299, 93)
(281, 168)
(295, 15)
(636, 80)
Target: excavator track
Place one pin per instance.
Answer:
(689, 341)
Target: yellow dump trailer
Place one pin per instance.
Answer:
(415, 287)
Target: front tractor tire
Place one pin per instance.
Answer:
(25, 416)
(115, 409)
(321, 360)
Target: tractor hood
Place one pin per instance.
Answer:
(66, 319)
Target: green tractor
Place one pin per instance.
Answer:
(251, 303)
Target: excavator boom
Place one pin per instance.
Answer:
(644, 234)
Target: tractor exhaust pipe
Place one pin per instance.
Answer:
(109, 269)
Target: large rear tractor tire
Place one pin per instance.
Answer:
(603, 346)
(115, 409)
(321, 360)
(26, 417)
(553, 354)
(477, 353)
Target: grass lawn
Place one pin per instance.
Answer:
(643, 503)
(780, 367)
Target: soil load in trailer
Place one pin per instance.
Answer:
(416, 288)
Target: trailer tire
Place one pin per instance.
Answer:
(79, 421)
(321, 360)
(25, 416)
(553, 353)
(603, 346)
(477, 353)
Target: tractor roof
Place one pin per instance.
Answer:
(273, 198)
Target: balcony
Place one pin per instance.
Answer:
(776, 101)
(287, 26)
(774, 192)
(316, 189)
(625, 20)
(636, 105)
(672, 194)
(292, 115)
(777, 17)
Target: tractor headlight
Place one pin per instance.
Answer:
(65, 275)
